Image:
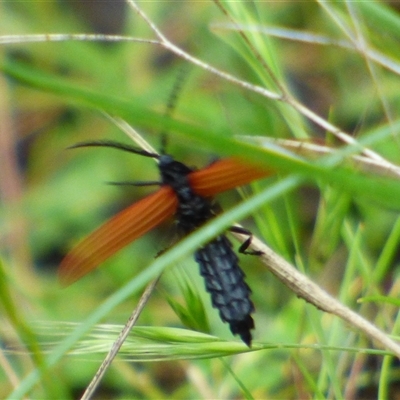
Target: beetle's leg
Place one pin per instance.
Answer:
(245, 245)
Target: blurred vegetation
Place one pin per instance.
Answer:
(343, 235)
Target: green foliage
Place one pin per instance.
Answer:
(334, 218)
(192, 314)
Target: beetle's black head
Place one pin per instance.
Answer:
(172, 172)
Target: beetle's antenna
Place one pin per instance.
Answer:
(130, 183)
(115, 145)
(172, 101)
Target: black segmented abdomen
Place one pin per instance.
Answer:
(225, 282)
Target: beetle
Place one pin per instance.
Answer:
(186, 194)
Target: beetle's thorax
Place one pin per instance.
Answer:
(193, 210)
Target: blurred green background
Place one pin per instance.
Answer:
(50, 197)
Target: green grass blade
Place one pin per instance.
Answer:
(383, 191)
